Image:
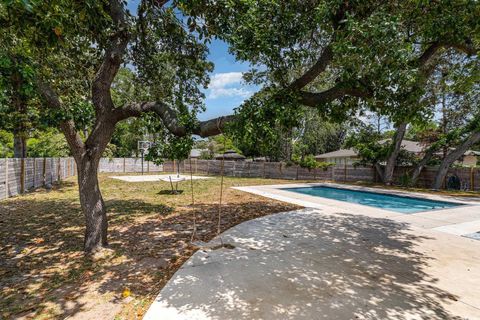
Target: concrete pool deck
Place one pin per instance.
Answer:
(331, 262)
(460, 220)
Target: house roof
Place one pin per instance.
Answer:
(411, 146)
(195, 153)
(342, 153)
(230, 154)
(471, 153)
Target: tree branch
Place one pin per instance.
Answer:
(312, 99)
(67, 126)
(169, 118)
(312, 73)
(433, 48)
(101, 96)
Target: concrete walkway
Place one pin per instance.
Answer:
(325, 264)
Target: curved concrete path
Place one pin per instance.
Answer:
(316, 264)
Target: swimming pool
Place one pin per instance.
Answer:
(378, 200)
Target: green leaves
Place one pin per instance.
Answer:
(172, 148)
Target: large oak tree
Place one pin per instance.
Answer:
(79, 48)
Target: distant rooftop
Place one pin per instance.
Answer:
(411, 146)
(230, 155)
(196, 153)
(342, 153)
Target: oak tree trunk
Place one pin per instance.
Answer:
(392, 159)
(418, 169)
(380, 171)
(452, 157)
(19, 103)
(93, 206)
(19, 146)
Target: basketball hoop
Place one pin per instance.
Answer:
(143, 146)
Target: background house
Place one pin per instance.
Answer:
(230, 155)
(196, 153)
(339, 157)
(350, 156)
(469, 159)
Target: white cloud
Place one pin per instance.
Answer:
(228, 84)
(229, 92)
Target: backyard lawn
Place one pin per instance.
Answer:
(44, 274)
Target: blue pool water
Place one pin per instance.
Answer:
(378, 200)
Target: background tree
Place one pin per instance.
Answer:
(317, 135)
(17, 94)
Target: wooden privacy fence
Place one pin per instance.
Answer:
(128, 165)
(470, 177)
(18, 175)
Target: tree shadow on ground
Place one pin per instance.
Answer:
(311, 266)
(170, 192)
(43, 270)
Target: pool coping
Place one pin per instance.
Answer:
(458, 220)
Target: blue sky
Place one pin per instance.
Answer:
(226, 90)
